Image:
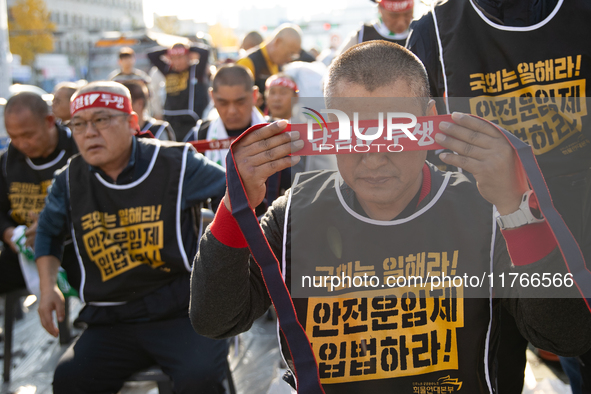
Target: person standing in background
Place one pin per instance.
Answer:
(187, 84)
(392, 24)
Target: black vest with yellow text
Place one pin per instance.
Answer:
(530, 80)
(186, 94)
(261, 69)
(128, 236)
(409, 339)
(27, 180)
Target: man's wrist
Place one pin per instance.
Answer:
(525, 213)
(226, 229)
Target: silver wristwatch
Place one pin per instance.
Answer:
(520, 217)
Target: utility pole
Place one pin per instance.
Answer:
(5, 69)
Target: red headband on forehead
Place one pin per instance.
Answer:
(397, 5)
(288, 83)
(100, 100)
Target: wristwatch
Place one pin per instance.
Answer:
(520, 217)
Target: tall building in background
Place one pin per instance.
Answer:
(79, 23)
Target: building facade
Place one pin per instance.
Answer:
(79, 23)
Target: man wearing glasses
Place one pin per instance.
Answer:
(127, 203)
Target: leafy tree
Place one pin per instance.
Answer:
(223, 36)
(30, 29)
(167, 24)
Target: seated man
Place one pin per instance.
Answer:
(386, 212)
(160, 129)
(127, 202)
(233, 94)
(280, 92)
(38, 147)
(60, 106)
(267, 58)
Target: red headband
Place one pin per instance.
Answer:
(281, 81)
(100, 100)
(397, 5)
(177, 51)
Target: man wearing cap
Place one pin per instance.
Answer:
(392, 24)
(186, 84)
(127, 70)
(387, 214)
(128, 204)
(267, 59)
(38, 147)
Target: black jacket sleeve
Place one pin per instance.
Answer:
(203, 52)
(555, 319)
(155, 55)
(227, 289)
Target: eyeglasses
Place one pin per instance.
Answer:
(100, 123)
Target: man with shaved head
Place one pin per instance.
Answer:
(268, 58)
(387, 215)
(128, 203)
(38, 147)
(251, 40)
(234, 96)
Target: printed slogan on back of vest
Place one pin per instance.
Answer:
(546, 110)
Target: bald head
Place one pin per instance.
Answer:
(27, 101)
(374, 65)
(251, 39)
(61, 100)
(233, 75)
(288, 31)
(286, 44)
(30, 126)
